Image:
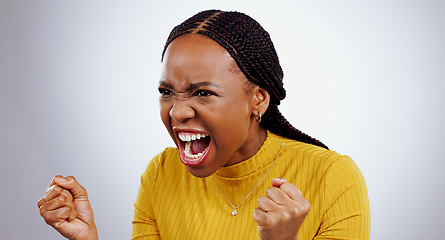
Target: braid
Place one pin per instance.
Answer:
(253, 51)
(274, 121)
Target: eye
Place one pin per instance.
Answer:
(165, 92)
(203, 93)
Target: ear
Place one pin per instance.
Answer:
(261, 99)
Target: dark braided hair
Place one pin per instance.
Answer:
(254, 53)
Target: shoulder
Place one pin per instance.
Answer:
(165, 157)
(308, 155)
(311, 151)
(344, 174)
(333, 171)
(165, 161)
(320, 162)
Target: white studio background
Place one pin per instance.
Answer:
(78, 97)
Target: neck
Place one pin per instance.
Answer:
(250, 148)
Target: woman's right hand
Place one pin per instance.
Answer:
(66, 208)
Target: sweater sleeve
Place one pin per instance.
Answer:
(346, 206)
(144, 221)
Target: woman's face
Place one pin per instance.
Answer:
(205, 106)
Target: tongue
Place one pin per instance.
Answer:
(199, 145)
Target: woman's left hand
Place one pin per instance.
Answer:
(281, 213)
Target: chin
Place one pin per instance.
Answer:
(199, 172)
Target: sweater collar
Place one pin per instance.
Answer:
(262, 159)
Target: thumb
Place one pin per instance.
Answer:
(70, 183)
(276, 182)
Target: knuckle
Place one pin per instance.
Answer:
(261, 199)
(300, 210)
(57, 189)
(42, 212)
(256, 214)
(71, 205)
(61, 198)
(68, 195)
(271, 190)
(66, 209)
(50, 189)
(40, 202)
(48, 219)
(294, 212)
(286, 215)
(286, 184)
(271, 221)
(307, 206)
(265, 223)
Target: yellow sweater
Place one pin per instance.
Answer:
(173, 204)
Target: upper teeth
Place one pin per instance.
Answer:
(190, 137)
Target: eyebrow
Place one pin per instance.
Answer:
(191, 87)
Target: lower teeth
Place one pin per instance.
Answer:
(187, 152)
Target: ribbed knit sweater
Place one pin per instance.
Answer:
(173, 204)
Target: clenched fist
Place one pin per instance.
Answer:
(66, 208)
(280, 214)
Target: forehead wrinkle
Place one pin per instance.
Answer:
(191, 86)
(201, 84)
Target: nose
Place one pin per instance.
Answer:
(181, 111)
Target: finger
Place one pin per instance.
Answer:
(41, 202)
(292, 191)
(67, 194)
(55, 191)
(57, 216)
(53, 181)
(56, 203)
(68, 201)
(276, 182)
(51, 192)
(277, 195)
(48, 191)
(260, 217)
(266, 204)
(70, 183)
(73, 215)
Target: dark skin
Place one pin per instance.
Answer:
(65, 207)
(203, 91)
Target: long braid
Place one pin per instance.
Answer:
(274, 121)
(253, 51)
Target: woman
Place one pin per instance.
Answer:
(236, 154)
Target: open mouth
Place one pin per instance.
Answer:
(193, 147)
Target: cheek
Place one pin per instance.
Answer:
(230, 121)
